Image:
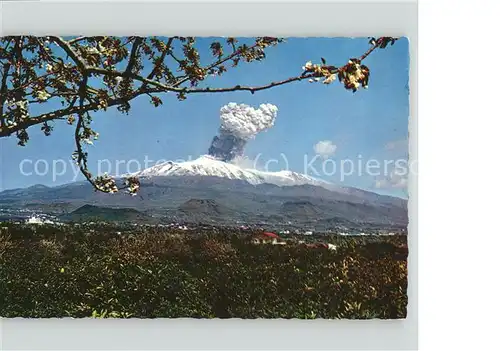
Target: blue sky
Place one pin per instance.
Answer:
(369, 124)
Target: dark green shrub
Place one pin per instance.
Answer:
(147, 273)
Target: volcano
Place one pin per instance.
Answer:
(208, 190)
(210, 166)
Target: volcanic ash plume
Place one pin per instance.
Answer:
(240, 123)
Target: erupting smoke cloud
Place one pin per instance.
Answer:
(240, 123)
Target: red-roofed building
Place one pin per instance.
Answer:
(267, 238)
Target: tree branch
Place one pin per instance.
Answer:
(76, 40)
(215, 64)
(162, 58)
(133, 55)
(81, 154)
(81, 160)
(71, 53)
(149, 86)
(113, 102)
(64, 112)
(3, 93)
(245, 88)
(164, 87)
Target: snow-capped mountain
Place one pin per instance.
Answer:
(207, 190)
(209, 166)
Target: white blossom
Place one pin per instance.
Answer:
(307, 66)
(92, 51)
(42, 95)
(21, 104)
(329, 79)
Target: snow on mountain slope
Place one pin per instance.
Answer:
(209, 166)
(284, 178)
